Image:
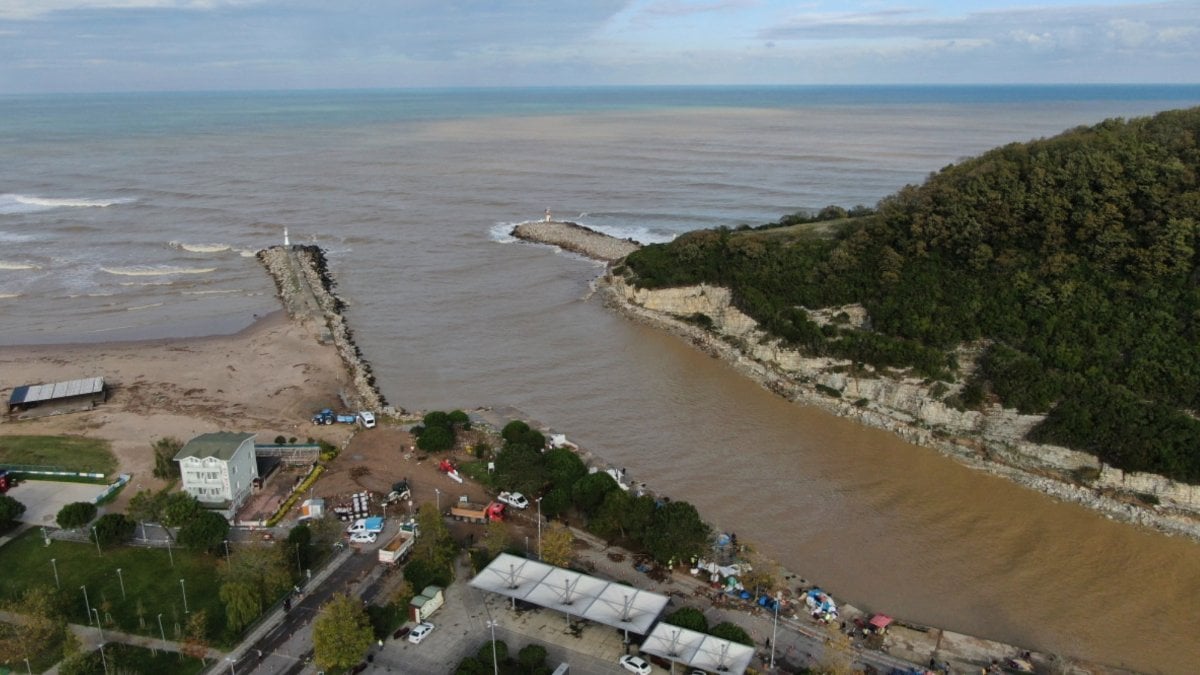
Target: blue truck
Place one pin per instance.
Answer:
(328, 416)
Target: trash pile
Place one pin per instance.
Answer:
(821, 606)
(359, 506)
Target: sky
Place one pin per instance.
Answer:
(185, 45)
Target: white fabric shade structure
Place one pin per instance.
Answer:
(572, 593)
(698, 650)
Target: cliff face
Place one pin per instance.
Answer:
(991, 440)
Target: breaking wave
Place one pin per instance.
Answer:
(155, 270)
(502, 232)
(6, 296)
(149, 306)
(200, 248)
(15, 203)
(8, 265)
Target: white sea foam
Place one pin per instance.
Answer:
(149, 306)
(17, 203)
(638, 233)
(247, 253)
(502, 232)
(155, 270)
(10, 265)
(214, 292)
(6, 296)
(162, 282)
(200, 248)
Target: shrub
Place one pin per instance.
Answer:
(113, 528)
(75, 515)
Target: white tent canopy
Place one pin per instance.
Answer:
(698, 650)
(572, 593)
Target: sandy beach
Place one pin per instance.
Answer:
(267, 378)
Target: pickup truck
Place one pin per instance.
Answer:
(397, 549)
(513, 499)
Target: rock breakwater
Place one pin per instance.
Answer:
(306, 289)
(576, 238)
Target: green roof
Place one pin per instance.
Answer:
(221, 445)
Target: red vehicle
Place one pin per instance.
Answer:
(6, 481)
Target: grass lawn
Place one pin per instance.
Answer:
(151, 582)
(123, 658)
(72, 453)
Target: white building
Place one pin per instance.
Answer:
(219, 469)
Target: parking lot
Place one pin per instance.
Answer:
(44, 499)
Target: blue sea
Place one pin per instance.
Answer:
(137, 215)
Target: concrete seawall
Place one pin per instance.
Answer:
(305, 288)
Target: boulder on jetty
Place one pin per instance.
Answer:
(576, 238)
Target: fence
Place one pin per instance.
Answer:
(50, 471)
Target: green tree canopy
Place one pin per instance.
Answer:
(207, 531)
(342, 633)
(75, 515)
(688, 617)
(676, 532)
(165, 466)
(10, 510)
(178, 508)
(436, 439)
(732, 632)
(589, 492)
(147, 506)
(113, 528)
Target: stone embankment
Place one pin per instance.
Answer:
(576, 238)
(990, 440)
(305, 288)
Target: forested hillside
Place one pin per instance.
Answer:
(1073, 259)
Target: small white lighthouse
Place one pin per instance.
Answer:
(286, 244)
(548, 215)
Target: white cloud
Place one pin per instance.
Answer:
(1129, 33)
(32, 9)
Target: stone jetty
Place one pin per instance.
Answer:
(576, 238)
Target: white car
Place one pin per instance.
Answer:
(367, 418)
(363, 538)
(419, 632)
(635, 664)
(513, 499)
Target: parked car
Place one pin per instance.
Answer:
(363, 538)
(514, 499)
(367, 418)
(401, 632)
(419, 632)
(635, 664)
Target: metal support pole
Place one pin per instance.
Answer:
(54, 564)
(539, 503)
(97, 538)
(171, 555)
(122, 580)
(183, 588)
(98, 628)
(774, 631)
(162, 632)
(226, 551)
(87, 606)
(495, 667)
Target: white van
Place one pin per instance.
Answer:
(367, 418)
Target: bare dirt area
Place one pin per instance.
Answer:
(265, 380)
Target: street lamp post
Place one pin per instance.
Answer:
(231, 670)
(183, 589)
(162, 632)
(98, 628)
(438, 494)
(169, 554)
(103, 660)
(539, 503)
(54, 564)
(491, 623)
(97, 538)
(28, 668)
(774, 631)
(226, 551)
(122, 580)
(87, 606)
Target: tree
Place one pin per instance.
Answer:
(563, 468)
(493, 649)
(459, 419)
(266, 570)
(495, 538)
(558, 545)
(195, 636)
(299, 543)
(326, 531)
(690, 618)
(609, 520)
(436, 439)
(341, 633)
(435, 546)
(531, 657)
(75, 515)
(10, 510)
(165, 466)
(242, 604)
(113, 528)
(206, 530)
(732, 632)
(676, 532)
(41, 625)
(178, 508)
(147, 506)
(520, 467)
(420, 573)
(589, 492)
(402, 594)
